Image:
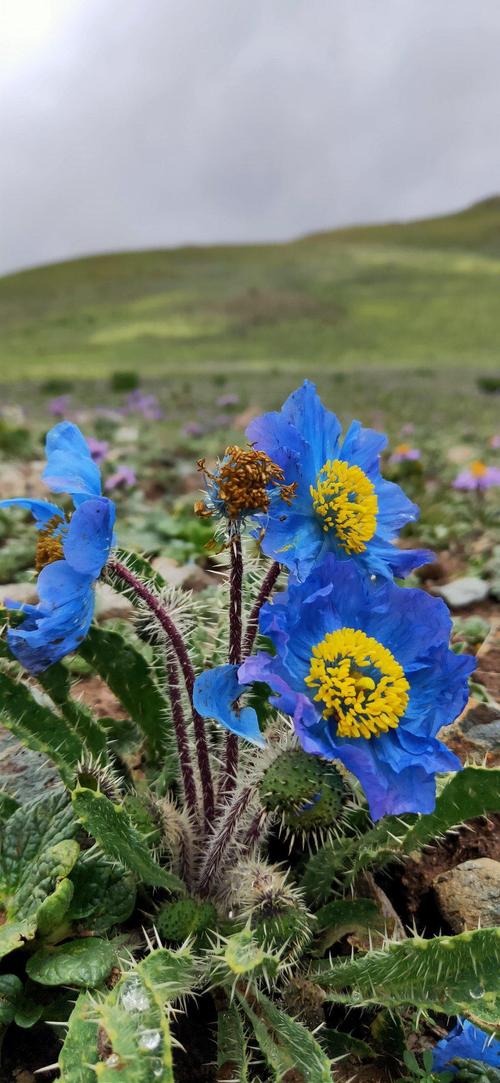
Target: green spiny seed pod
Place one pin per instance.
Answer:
(95, 775)
(273, 908)
(178, 920)
(306, 791)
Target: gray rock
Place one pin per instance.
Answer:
(19, 592)
(463, 592)
(469, 894)
(481, 726)
(109, 605)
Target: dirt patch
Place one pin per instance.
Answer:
(95, 694)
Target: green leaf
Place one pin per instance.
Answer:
(79, 1051)
(448, 974)
(338, 1043)
(37, 854)
(83, 963)
(243, 954)
(285, 1043)
(8, 805)
(104, 894)
(112, 830)
(57, 683)
(11, 988)
(232, 1052)
(343, 916)
(127, 674)
(38, 727)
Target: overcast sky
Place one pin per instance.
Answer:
(138, 123)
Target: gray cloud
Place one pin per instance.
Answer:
(163, 122)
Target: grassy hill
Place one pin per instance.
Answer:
(421, 294)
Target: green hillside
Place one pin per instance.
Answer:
(420, 294)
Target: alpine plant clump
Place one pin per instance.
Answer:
(196, 897)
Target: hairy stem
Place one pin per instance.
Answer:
(225, 833)
(267, 587)
(164, 619)
(228, 780)
(188, 779)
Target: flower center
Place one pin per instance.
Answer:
(242, 482)
(359, 682)
(478, 469)
(346, 501)
(49, 544)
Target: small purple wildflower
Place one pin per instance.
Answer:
(59, 407)
(495, 441)
(404, 453)
(193, 428)
(98, 449)
(229, 399)
(147, 405)
(477, 476)
(124, 477)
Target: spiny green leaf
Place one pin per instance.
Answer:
(57, 683)
(104, 894)
(126, 672)
(448, 974)
(286, 1043)
(112, 830)
(232, 1054)
(343, 916)
(38, 727)
(83, 963)
(79, 1051)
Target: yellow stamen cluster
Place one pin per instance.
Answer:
(346, 501)
(402, 449)
(362, 704)
(243, 482)
(478, 469)
(49, 544)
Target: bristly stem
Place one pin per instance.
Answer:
(228, 780)
(223, 837)
(179, 646)
(188, 779)
(267, 587)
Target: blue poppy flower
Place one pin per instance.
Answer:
(365, 672)
(216, 694)
(70, 553)
(467, 1042)
(341, 503)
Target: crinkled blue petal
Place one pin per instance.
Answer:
(41, 510)
(467, 1042)
(59, 623)
(301, 438)
(398, 768)
(216, 692)
(70, 466)
(90, 536)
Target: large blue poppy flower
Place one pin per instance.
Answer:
(70, 553)
(365, 672)
(342, 504)
(467, 1042)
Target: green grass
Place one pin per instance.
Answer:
(420, 295)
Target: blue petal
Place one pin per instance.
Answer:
(59, 623)
(467, 1042)
(215, 693)
(90, 536)
(70, 467)
(41, 510)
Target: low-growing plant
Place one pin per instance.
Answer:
(178, 906)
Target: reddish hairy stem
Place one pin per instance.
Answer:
(171, 630)
(188, 779)
(228, 780)
(223, 837)
(267, 587)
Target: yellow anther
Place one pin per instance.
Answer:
(243, 481)
(49, 543)
(345, 499)
(478, 469)
(361, 705)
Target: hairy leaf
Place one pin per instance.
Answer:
(83, 963)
